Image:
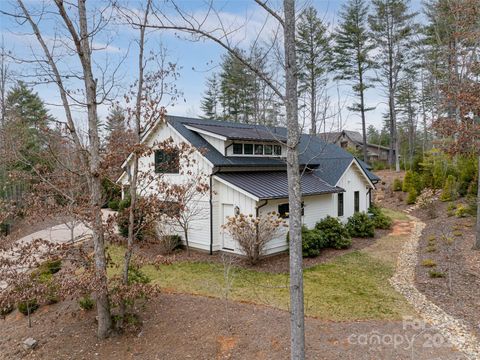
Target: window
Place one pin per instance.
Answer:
(166, 162)
(238, 149)
(340, 204)
(284, 209)
(356, 201)
(258, 149)
(268, 149)
(248, 149)
(277, 150)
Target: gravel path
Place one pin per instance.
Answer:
(451, 328)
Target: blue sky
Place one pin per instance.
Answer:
(196, 60)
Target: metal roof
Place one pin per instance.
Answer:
(274, 184)
(331, 159)
(242, 133)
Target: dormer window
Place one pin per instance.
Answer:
(258, 149)
(277, 150)
(237, 149)
(268, 149)
(248, 149)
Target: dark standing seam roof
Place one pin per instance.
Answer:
(274, 185)
(329, 160)
(237, 133)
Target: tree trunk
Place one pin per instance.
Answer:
(103, 305)
(477, 241)
(185, 232)
(362, 112)
(297, 325)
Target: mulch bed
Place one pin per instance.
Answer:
(458, 293)
(278, 263)
(178, 326)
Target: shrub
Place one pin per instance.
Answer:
(462, 211)
(6, 309)
(139, 226)
(397, 184)
(86, 303)
(429, 263)
(412, 196)
(360, 225)
(334, 233)
(168, 243)
(313, 242)
(50, 266)
(449, 192)
(407, 181)
(26, 307)
(114, 204)
(137, 276)
(431, 248)
(253, 233)
(124, 203)
(451, 209)
(380, 220)
(110, 190)
(434, 274)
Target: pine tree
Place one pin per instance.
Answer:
(314, 60)
(353, 56)
(210, 102)
(392, 29)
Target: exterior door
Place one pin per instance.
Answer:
(228, 242)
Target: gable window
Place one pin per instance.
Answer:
(268, 149)
(248, 149)
(258, 149)
(284, 209)
(356, 201)
(340, 204)
(238, 149)
(166, 163)
(277, 150)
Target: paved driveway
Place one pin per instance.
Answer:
(58, 234)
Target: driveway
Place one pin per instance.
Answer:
(58, 234)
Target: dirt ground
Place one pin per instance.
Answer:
(192, 327)
(458, 293)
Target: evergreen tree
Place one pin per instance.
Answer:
(314, 60)
(408, 108)
(392, 29)
(210, 102)
(116, 120)
(353, 56)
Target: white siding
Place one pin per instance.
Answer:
(215, 142)
(199, 234)
(226, 195)
(352, 180)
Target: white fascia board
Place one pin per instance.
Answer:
(355, 161)
(205, 132)
(236, 188)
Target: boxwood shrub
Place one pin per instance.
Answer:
(312, 242)
(360, 225)
(334, 232)
(380, 220)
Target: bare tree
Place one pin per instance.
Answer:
(76, 22)
(288, 93)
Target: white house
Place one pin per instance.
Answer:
(247, 172)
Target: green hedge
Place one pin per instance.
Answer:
(360, 225)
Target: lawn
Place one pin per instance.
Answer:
(353, 286)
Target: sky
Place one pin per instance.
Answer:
(117, 52)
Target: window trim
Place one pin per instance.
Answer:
(241, 148)
(356, 201)
(275, 148)
(172, 169)
(340, 205)
(245, 149)
(287, 212)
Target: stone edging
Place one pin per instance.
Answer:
(453, 329)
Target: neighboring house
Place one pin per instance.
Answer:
(353, 139)
(247, 170)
